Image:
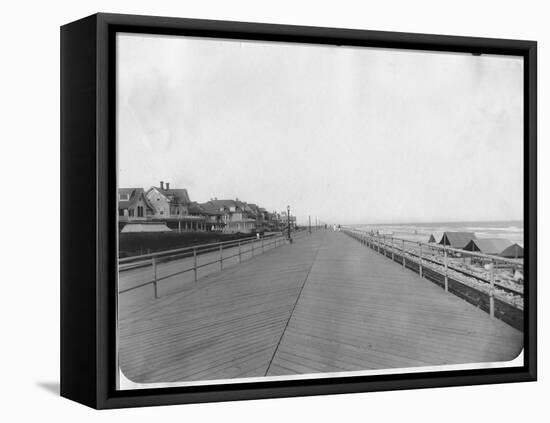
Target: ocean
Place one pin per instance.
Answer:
(510, 229)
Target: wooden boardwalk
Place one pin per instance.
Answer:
(322, 304)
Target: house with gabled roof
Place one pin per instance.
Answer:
(259, 214)
(168, 203)
(457, 239)
(134, 205)
(236, 216)
(212, 217)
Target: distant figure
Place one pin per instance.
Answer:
(257, 235)
(334, 227)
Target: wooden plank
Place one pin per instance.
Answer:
(220, 328)
(360, 310)
(323, 304)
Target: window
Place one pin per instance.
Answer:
(123, 197)
(140, 211)
(121, 212)
(131, 212)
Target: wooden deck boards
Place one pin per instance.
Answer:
(322, 304)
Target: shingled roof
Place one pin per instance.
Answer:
(133, 195)
(253, 207)
(178, 196)
(215, 206)
(488, 245)
(196, 208)
(219, 204)
(457, 239)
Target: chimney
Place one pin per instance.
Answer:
(161, 184)
(167, 185)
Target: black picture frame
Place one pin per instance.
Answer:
(88, 192)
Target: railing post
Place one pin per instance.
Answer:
(221, 256)
(420, 261)
(195, 263)
(492, 291)
(392, 250)
(446, 269)
(155, 283)
(239, 251)
(403, 251)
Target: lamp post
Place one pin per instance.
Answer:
(288, 222)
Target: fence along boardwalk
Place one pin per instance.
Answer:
(322, 304)
(177, 274)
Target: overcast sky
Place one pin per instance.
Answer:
(348, 135)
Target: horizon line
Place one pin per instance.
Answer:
(438, 221)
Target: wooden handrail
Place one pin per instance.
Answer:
(152, 259)
(517, 262)
(378, 241)
(190, 248)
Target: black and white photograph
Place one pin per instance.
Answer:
(297, 211)
(278, 211)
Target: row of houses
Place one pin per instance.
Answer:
(468, 241)
(162, 208)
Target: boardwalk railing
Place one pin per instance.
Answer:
(435, 262)
(225, 250)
